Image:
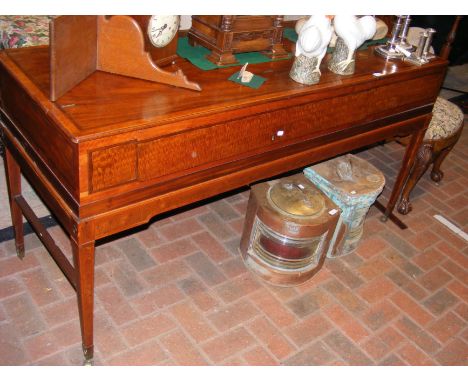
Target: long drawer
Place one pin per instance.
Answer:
(230, 141)
(174, 155)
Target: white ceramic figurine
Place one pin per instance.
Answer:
(351, 32)
(311, 46)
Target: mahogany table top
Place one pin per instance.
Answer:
(107, 104)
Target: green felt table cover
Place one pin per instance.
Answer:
(197, 56)
(254, 83)
(290, 34)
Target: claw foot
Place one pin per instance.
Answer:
(437, 176)
(404, 207)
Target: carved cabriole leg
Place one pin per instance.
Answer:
(440, 154)
(423, 160)
(13, 177)
(83, 259)
(407, 164)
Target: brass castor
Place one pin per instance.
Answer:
(383, 219)
(20, 251)
(88, 362)
(88, 356)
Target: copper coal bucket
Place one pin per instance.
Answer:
(288, 230)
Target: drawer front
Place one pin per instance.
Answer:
(252, 41)
(248, 136)
(188, 150)
(113, 166)
(389, 98)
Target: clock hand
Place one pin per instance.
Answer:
(161, 30)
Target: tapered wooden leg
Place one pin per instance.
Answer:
(83, 259)
(423, 160)
(407, 164)
(13, 178)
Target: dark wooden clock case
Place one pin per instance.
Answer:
(226, 35)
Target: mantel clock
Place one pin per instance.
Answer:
(226, 35)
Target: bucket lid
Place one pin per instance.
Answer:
(300, 199)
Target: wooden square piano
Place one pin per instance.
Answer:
(115, 151)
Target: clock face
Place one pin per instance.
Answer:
(162, 29)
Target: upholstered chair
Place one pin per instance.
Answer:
(442, 134)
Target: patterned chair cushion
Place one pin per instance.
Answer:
(447, 119)
(19, 31)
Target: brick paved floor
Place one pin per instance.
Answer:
(177, 293)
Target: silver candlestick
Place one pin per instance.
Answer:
(403, 42)
(421, 44)
(422, 55)
(427, 45)
(389, 50)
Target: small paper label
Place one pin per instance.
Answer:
(353, 192)
(300, 186)
(333, 211)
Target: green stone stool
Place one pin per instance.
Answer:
(352, 184)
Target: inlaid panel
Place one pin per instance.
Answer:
(113, 166)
